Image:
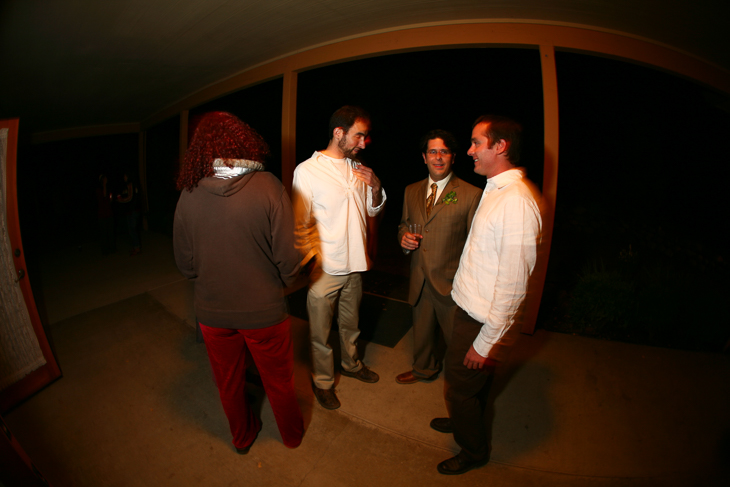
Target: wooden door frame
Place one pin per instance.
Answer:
(39, 378)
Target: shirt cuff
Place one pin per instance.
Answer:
(481, 347)
(481, 344)
(374, 211)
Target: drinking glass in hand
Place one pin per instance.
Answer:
(416, 229)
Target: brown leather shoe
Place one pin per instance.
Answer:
(406, 378)
(442, 425)
(364, 374)
(326, 397)
(409, 378)
(459, 464)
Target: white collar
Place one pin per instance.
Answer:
(441, 184)
(504, 178)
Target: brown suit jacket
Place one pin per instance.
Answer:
(444, 234)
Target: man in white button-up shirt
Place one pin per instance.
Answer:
(489, 288)
(332, 195)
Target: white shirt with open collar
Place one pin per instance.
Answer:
(330, 207)
(498, 259)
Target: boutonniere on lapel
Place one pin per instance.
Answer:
(450, 198)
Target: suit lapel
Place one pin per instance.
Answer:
(421, 199)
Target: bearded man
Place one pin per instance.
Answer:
(332, 195)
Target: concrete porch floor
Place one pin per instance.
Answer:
(137, 404)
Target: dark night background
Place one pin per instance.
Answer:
(639, 251)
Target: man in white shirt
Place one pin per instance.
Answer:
(333, 193)
(443, 205)
(489, 288)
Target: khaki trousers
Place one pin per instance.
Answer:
(325, 292)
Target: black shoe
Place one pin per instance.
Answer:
(364, 374)
(459, 464)
(244, 450)
(326, 397)
(442, 425)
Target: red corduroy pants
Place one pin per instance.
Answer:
(271, 350)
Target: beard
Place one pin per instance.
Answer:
(349, 153)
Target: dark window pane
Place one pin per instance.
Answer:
(641, 214)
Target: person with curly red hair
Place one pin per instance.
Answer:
(233, 236)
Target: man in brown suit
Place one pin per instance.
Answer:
(444, 206)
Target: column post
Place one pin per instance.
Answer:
(289, 129)
(549, 182)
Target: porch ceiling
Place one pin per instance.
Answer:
(83, 63)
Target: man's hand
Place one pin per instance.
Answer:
(410, 240)
(367, 176)
(473, 360)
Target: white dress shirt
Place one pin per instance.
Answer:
(499, 256)
(330, 207)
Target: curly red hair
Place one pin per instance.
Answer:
(219, 135)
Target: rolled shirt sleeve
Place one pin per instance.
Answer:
(373, 211)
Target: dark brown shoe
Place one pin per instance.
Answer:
(326, 397)
(442, 425)
(460, 464)
(364, 374)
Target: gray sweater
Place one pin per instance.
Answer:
(234, 238)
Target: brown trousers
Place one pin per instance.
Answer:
(466, 390)
(431, 313)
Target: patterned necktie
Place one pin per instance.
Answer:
(430, 199)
